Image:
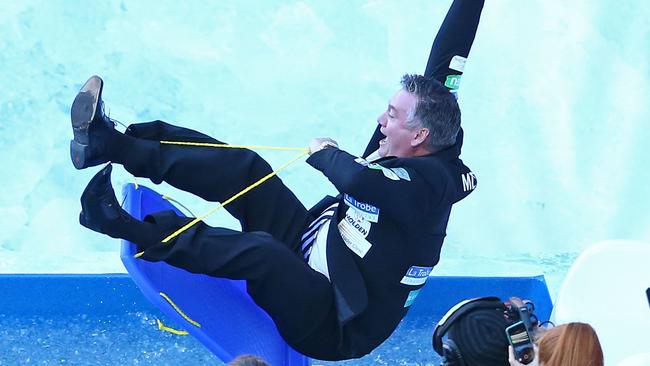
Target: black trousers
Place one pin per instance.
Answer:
(266, 253)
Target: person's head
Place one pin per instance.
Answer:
(473, 333)
(571, 344)
(422, 117)
(248, 360)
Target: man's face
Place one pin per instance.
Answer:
(399, 139)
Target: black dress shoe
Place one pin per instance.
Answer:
(88, 121)
(100, 210)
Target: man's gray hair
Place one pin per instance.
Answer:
(435, 110)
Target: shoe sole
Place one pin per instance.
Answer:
(82, 113)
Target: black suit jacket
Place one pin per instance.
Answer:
(386, 234)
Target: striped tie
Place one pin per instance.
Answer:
(309, 236)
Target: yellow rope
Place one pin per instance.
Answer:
(140, 254)
(179, 311)
(304, 151)
(245, 190)
(165, 197)
(252, 147)
(165, 328)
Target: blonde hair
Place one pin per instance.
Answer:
(572, 344)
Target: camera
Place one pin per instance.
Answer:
(521, 342)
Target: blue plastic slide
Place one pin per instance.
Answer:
(218, 312)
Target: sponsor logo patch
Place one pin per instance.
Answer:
(457, 63)
(353, 240)
(357, 221)
(361, 161)
(452, 82)
(416, 276)
(365, 210)
(354, 229)
(402, 173)
(375, 166)
(411, 298)
(391, 173)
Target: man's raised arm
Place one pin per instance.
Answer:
(449, 50)
(452, 43)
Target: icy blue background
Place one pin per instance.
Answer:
(554, 100)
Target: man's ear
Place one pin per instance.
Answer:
(420, 137)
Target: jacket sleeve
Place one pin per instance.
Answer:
(376, 185)
(455, 38)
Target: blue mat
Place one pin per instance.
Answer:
(231, 324)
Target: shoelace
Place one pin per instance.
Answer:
(107, 116)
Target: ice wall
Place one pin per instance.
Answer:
(554, 102)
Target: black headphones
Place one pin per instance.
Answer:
(447, 349)
(514, 310)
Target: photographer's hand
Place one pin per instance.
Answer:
(514, 362)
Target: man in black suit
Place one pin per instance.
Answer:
(338, 278)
